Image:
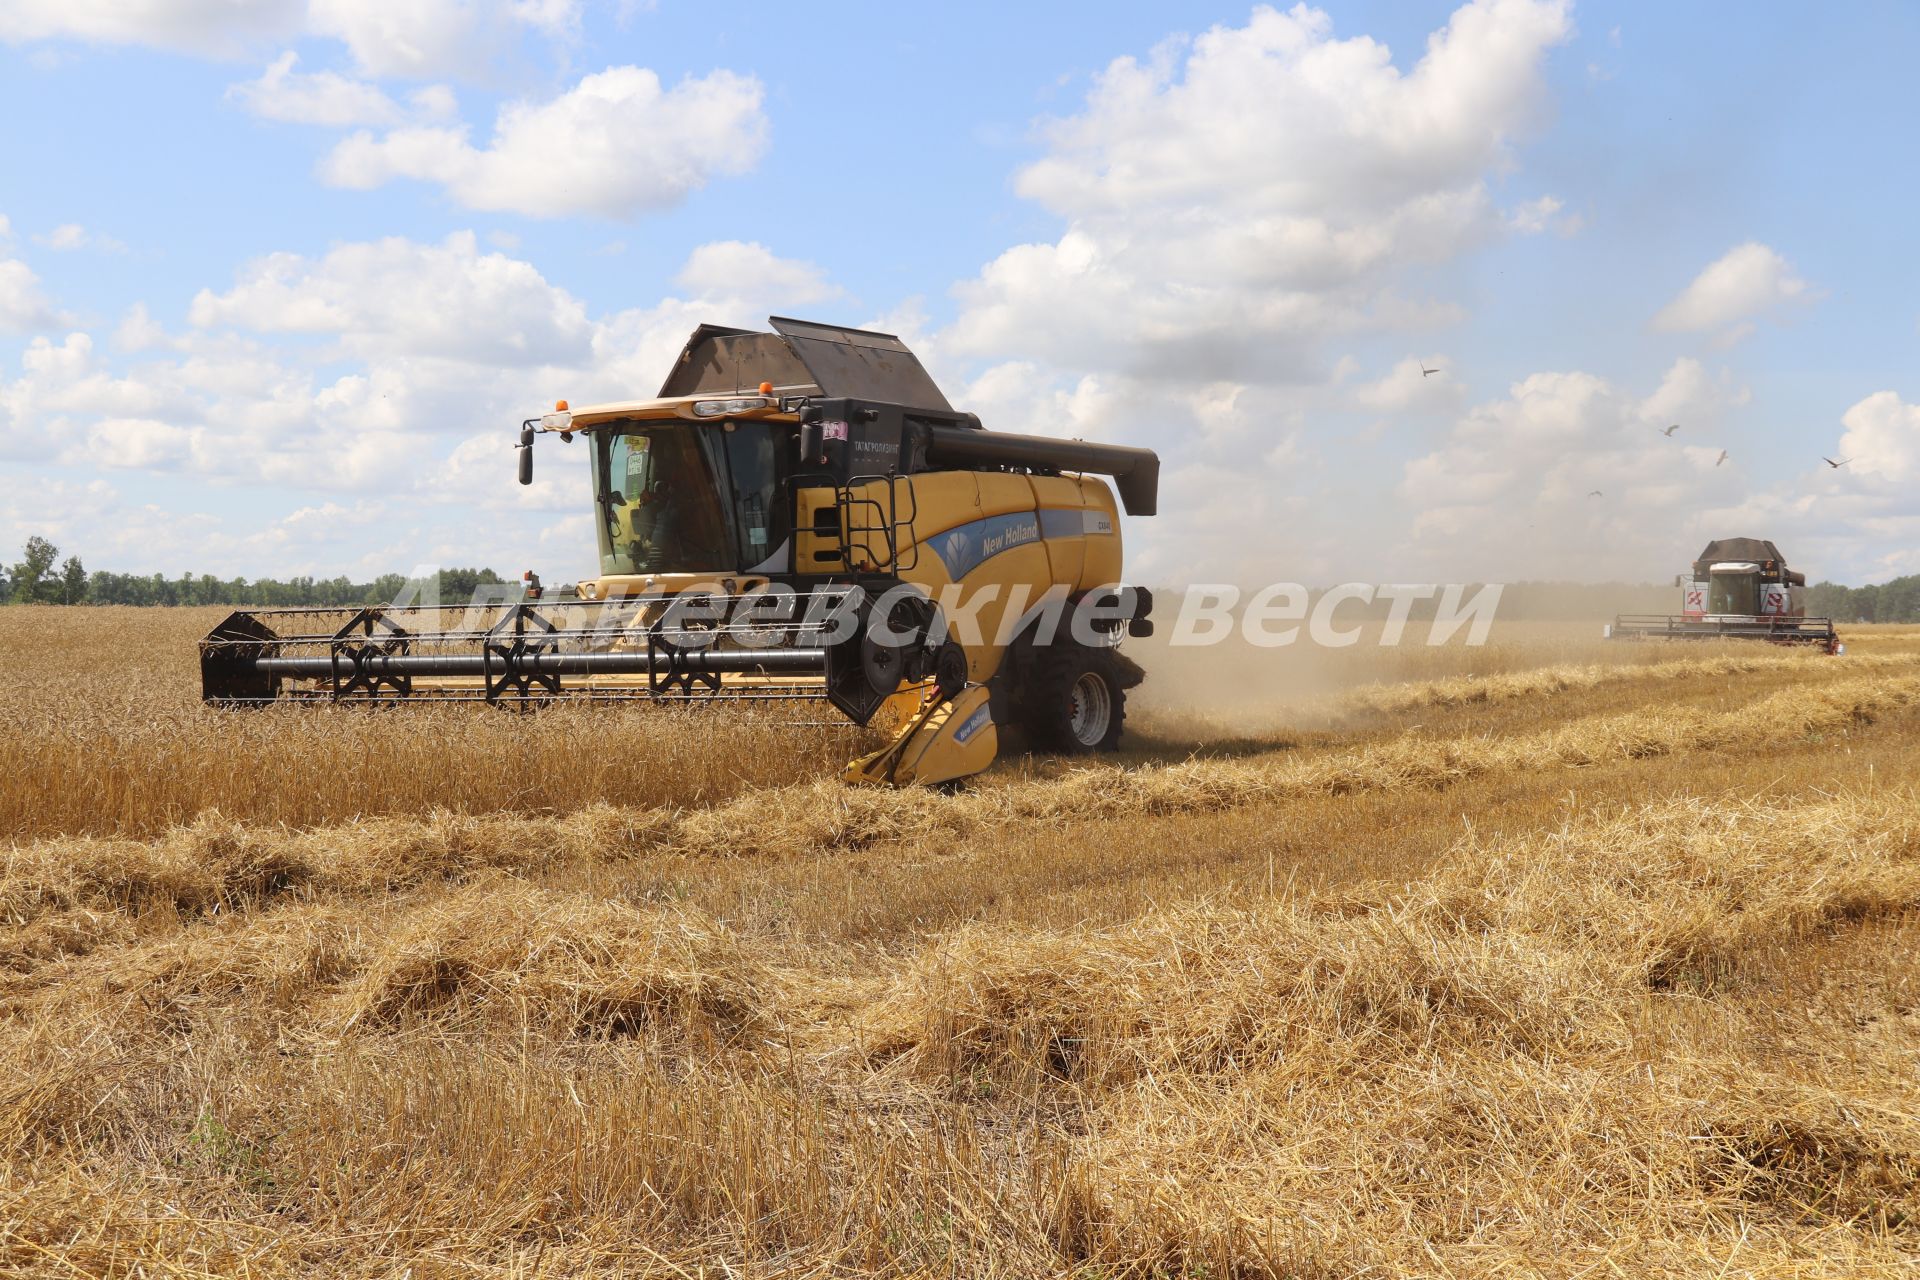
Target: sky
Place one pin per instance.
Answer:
(280, 278)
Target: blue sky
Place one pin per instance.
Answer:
(279, 277)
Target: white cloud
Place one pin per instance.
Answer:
(1019, 396)
(1882, 439)
(1725, 298)
(66, 236)
(1535, 216)
(1407, 386)
(139, 331)
(633, 349)
(71, 236)
(396, 296)
(412, 39)
(616, 144)
(219, 28)
(418, 38)
(558, 18)
(1532, 217)
(390, 370)
(1233, 206)
(1278, 115)
(1508, 495)
(23, 307)
(1234, 200)
(328, 98)
(735, 268)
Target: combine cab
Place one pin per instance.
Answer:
(799, 514)
(1740, 588)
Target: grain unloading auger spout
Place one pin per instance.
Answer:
(825, 645)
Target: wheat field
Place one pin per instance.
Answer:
(1546, 958)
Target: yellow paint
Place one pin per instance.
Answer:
(929, 748)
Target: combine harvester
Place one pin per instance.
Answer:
(1740, 589)
(798, 515)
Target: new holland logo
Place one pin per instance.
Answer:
(975, 722)
(955, 549)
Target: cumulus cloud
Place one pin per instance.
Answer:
(1532, 217)
(69, 237)
(328, 98)
(423, 38)
(1020, 396)
(1882, 439)
(413, 39)
(1236, 208)
(398, 296)
(418, 38)
(392, 370)
(23, 307)
(219, 28)
(735, 268)
(1234, 200)
(1509, 493)
(1409, 387)
(1725, 298)
(615, 145)
(66, 236)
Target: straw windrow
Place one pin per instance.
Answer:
(1609, 977)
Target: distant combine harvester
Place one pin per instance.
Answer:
(1741, 589)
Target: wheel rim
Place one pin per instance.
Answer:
(1091, 710)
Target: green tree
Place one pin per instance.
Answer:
(73, 582)
(32, 576)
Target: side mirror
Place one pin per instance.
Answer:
(812, 441)
(526, 453)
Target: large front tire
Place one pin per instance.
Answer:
(1074, 700)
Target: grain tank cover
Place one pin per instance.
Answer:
(1721, 550)
(1755, 551)
(722, 361)
(819, 359)
(860, 364)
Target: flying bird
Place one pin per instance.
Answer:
(1668, 431)
(1722, 458)
(1836, 465)
(1596, 494)
(1426, 372)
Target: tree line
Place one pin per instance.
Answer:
(40, 577)
(1895, 601)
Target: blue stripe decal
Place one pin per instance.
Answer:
(965, 548)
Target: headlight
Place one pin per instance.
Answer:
(720, 408)
(560, 421)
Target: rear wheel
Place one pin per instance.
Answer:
(1073, 700)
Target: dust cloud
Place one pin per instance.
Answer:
(1235, 688)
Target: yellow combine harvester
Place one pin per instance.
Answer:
(798, 514)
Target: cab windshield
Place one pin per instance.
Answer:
(1735, 593)
(659, 490)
